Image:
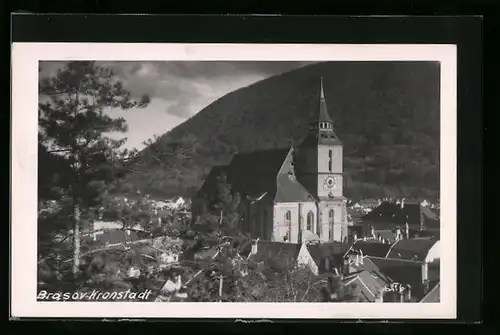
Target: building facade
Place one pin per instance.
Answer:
(289, 195)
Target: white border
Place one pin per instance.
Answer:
(25, 58)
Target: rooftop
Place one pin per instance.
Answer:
(412, 249)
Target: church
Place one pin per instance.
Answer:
(289, 195)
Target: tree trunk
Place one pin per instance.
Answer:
(220, 285)
(76, 239)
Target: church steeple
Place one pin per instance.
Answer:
(323, 112)
(321, 127)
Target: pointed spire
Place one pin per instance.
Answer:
(323, 113)
(322, 96)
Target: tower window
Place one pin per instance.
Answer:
(330, 224)
(330, 160)
(288, 222)
(310, 220)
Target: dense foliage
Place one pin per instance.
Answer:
(386, 114)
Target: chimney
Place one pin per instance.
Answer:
(361, 257)
(408, 291)
(373, 231)
(357, 260)
(128, 232)
(355, 236)
(425, 270)
(254, 246)
(402, 203)
(407, 228)
(179, 282)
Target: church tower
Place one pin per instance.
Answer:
(319, 166)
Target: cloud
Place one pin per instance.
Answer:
(178, 90)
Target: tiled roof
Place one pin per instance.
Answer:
(405, 272)
(256, 172)
(289, 189)
(210, 183)
(252, 173)
(372, 248)
(433, 295)
(367, 285)
(276, 254)
(412, 249)
(392, 212)
(387, 234)
(333, 250)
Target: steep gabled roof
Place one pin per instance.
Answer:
(252, 173)
(333, 250)
(404, 272)
(277, 255)
(415, 249)
(368, 285)
(371, 248)
(289, 189)
(210, 184)
(256, 172)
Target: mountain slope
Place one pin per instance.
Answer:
(385, 113)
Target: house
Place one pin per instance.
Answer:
(420, 276)
(113, 237)
(433, 295)
(369, 247)
(322, 258)
(390, 215)
(417, 249)
(277, 256)
(366, 286)
(287, 192)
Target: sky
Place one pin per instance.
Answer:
(178, 90)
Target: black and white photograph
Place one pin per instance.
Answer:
(299, 181)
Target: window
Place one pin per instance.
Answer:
(318, 229)
(288, 222)
(310, 220)
(330, 160)
(330, 223)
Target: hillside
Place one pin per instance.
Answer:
(386, 114)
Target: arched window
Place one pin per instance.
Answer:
(310, 220)
(288, 222)
(330, 224)
(318, 228)
(330, 160)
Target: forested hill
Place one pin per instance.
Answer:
(385, 113)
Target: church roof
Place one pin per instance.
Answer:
(210, 183)
(256, 172)
(289, 189)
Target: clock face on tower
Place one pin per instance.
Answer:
(332, 182)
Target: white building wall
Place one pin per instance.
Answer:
(304, 259)
(434, 253)
(280, 228)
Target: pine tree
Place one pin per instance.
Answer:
(74, 125)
